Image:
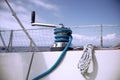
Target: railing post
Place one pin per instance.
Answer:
(10, 41)
(2, 40)
(30, 48)
(101, 36)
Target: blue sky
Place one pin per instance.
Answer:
(80, 12)
(68, 12)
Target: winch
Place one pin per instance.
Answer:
(61, 38)
(61, 34)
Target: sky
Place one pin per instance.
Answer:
(68, 12)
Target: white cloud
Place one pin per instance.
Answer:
(23, 12)
(17, 7)
(45, 5)
(108, 40)
(8, 21)
(81, 40)
(111, 39)
(83, 37)
(109, 36)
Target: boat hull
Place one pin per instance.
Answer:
(105, 65)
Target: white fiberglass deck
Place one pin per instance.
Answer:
(14, 66)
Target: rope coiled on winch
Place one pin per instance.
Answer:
(86, 58)
(62, 34)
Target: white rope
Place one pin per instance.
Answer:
(86, 58)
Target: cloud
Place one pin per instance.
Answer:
(8, 21)
(23, 12)
(111, 39)
(108, 40)
(83, 37)
(110, 36)
(80, 40)
(45, 5)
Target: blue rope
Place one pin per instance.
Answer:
(62, 34)
(57, 63)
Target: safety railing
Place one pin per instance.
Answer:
(102, 36)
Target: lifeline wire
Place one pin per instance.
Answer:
(86, 58)
(59, 60)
